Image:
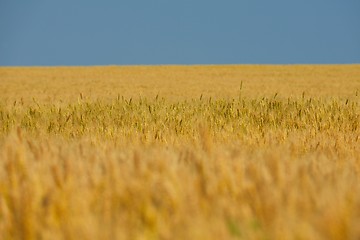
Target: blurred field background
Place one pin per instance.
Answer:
(177, 82)
(180, 152)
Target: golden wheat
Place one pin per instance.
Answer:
(202, 152)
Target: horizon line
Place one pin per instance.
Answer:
(175, 65)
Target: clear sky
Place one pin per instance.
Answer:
(153, 32)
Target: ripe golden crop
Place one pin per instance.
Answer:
(173, 152)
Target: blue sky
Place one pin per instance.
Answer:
(156, 32)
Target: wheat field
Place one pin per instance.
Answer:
(180, 152)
